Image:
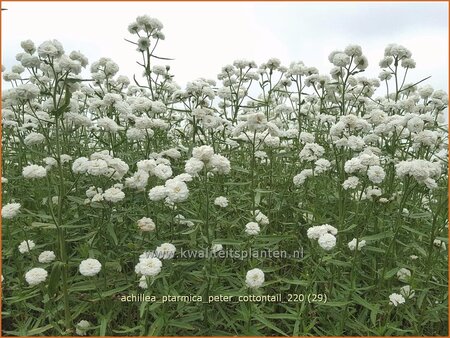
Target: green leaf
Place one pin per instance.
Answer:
(381, 235)
(390, 273)
(43, 225)
(112, 233)
(224, 241)
(156, 327)
(336, 304)
(54, 278)
(364, 303)
(269, 324)
(39, 330)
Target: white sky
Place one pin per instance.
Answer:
(203, 37)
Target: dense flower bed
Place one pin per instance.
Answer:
(108, 179)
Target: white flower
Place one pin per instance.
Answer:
(376, 174)
(311, 152)
(415, 124)
(216, 248)
(162, 171)
(254, 278)
(113, 195)
(148, 266)
(138, 181)
(146, 224)
(353, 165)
(10, 210)
(440, 244)
(46, 257)
(36, 276)
(177, 191)
(396, 299)
(26, 246)
(317, 231)
(299, 179)
(184, 177)
(80, 165)
(403, 274)
(340, 59)
(64, 158)
(134, 134)
(90, 267)
(261, 218)
(322, 165)
(256, 121)
(350, 183)
(50, 162)
(421, 170)
(193, 166)
(143, 282)
(34, 139)
(203, 153)
(352, 244)
(97, 167)
(157, 193)
(82, 327)
(165, 251)
(407, 292)
(327, 241)
(221, 202)
(34, 171)
(220, 164)
(108, 125)
(252, 228)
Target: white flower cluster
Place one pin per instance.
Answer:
(100, 164)
(10, 210)
(324, 234)
(422, 171)
(254, 278)
(356, 244)
(90, 267)
(204, 156)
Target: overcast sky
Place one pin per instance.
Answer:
(203, 37)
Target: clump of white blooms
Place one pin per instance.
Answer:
(90, 267)
(26, 246)
(146, 224)
(252, 228)
(221, 201)
(82, 327)
(143, 282)
(396, 299)
(34, 171)
(327, 241)
(113, 195)
(422, 171)
(216, 248)
(407, 292)
(10, 210)
(324, 234)
(165, 251)
(440, 244)
(403, 274)
(356, 244)
(148, 266)
(254, 278)
(46, 257)
(261, 218)
(36, 276)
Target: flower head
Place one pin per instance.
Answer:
(90, 267)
